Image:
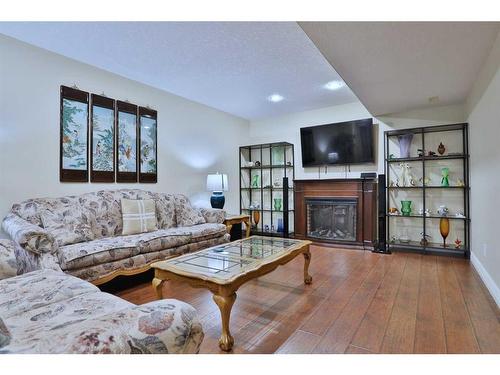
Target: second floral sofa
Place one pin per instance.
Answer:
(85, 234)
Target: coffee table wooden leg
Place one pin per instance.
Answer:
(157, 286)
(225, 304)
(307, 261)
(248, 227)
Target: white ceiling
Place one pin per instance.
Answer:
(395, 67)
(233, 66)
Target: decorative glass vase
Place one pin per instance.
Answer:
(445, 174)
(444, 228)
(280, 225)
(255, 181)
(404, 145)
(406, 208)
(256, 218)
(277, 204)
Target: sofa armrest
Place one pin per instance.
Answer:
(212, 215)
(31, 237)
(8, 263)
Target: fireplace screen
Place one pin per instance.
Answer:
(332, 218)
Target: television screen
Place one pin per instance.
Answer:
(348, 142)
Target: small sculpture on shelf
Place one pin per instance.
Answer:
(255, 181)
(257, 163)
(444, 228)
(460, 215)
(427, 212)
(393, 211)
(249, 164)
(424, 240)
(277, 183)
(421, 153)
(393, 240)
(425, 181)
(431, 153)
(441, 149)
(443, 210)
(458, 243)
(266, 228)
(460, 182)
(445, 175)
(288, 163)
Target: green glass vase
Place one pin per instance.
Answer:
(406, 208)
(445, 174)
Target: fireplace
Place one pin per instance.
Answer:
(331, 218)
(338, 212)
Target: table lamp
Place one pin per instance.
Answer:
(217, 184)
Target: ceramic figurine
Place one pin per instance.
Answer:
(393, 211)
(441, 149)
(425, 181)
(277, 183)
(257, 163)
(289, 163)
(424, 240)
(406, 176)
(391, 156)
(460, 215)
(431, 153)
(458, 243)
(443, 210)
(421, 152)
(393, 239)
(250, 163)
(460, 182)
(266, 228)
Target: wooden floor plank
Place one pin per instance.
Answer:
(483, 314)
(371, 331)
(429, 331)
(460, 337)
(338, 337)
(351, 349)
(400, 333)
(299, 342)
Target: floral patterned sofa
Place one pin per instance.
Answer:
(89, 244)
(47, 311)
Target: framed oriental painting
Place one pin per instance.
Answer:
(74, 119)
(147, 145)
(126, 142)
(102, 139)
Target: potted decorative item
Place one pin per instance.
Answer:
(445, 174)
(404, 145)
(406, 208)
(441, 148)
(444, 228)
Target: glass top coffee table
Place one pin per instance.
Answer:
(224, 268)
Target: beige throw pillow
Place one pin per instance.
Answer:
(139, 216)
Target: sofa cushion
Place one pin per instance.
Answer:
(30, 209)
(185, 214)
(99, 251)
(4, 334)
(37, 289)
(69, 225)
(138, 215)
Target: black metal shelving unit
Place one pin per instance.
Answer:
(276, 161)
(426, 162)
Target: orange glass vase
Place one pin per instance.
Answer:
(256, 217)
(444, 228)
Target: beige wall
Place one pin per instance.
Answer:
(484, 120)
(193, 139)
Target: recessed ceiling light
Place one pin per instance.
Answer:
(275, 98)
(334, 85)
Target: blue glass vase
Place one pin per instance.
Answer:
(280, 225)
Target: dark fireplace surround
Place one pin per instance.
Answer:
(340, 212)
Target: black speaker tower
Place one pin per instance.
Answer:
(381, 245)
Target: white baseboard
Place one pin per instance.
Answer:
(487, 279)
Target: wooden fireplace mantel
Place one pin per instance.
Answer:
(365, 192)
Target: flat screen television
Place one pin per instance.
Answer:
(349, 142)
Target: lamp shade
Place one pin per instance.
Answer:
(217, 182)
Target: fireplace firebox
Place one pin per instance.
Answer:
(331, 218)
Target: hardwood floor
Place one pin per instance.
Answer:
(359, 302)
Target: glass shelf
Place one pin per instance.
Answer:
(268, 167)
(426, 158)
(428, 217)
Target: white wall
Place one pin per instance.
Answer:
(484, 120)
(193, 139)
